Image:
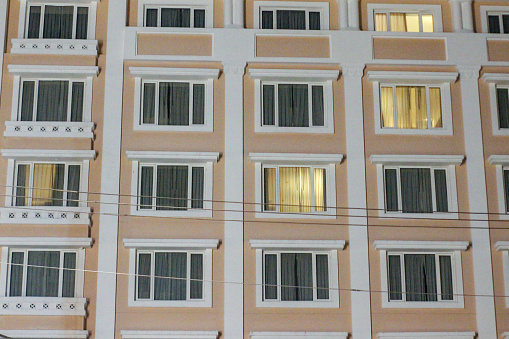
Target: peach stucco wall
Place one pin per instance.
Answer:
(409, 49)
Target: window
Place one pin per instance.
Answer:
(172, 184)
(51, 101)
(404, 18)
(43, 271)
(293, 100)
(291, 15)
(297, 273)
(501, 163)
(499, 101)
(128, 334)
(503, 246)
(420, 186)
(495, 19)
(412, 102)
(47, 186)
(173, 99)
(298, 335)
(55, 21)
(295, 185)
(421, 274)
(176, 13)
(170, 272)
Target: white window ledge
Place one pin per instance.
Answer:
(54, 46)
(53, 129)
(421, 245)
(160, 73)
(417, 160)
(42, 306)
(43, 334)
(499, 160)
(172, 157)
(38, 71)
(296, 158)
(45, 215)
(318, 245)
(292, 335)
(188, 244)
(126, 334)
(496, 78)
(45, 242)
(293, 75)
(431, 78)
(427, 335)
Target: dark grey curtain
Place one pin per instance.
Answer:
(167, 267)
(173, 103)
(58, 22)
(314, 21)
(503, 107)
(270, 278)
(81, 23)
(395, 288)
(78, 89)
(198, 176)
(493, 24)
(27, 101)
(441, 190)
(420, 277)
(151, 17)
(446, 277)
(58, 186)
(198, 104)
(199, 18)
(267, 19)
(269, 111)
(34, 22)
(317, 105)
(69, 275)
(391, 190)
(16, 282)
(22, 185)
(73, 185)
(505, 23)
(42, 281)
(147, 189)
(149, 103)
(506, 190)
(322, 276)
(52, 100)
(196, 284)
(291, 19)
(296, 277)
(175, 17)
(172, 187)
(416, 190)
(144, 268)
(293, 105)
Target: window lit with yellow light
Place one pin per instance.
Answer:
(403, 22)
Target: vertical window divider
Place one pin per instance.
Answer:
(403, 276)
(36, 101)
(31, 184)
(152, 274)
(74, 21)
(189, 186)
(191, 99)
(433, 189)
(278, 281)
(278, 197)
(69, 101)
(438, 275)
(61, 273)
(188, 276)
(66, 185)
(154, 187)
(428, 107)
(25, 272)
(314, 268)
(310, 104)
(400, 198)
(156, 103)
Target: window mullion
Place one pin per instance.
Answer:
(156, 103)
(69, 101)
(74, 21)
(61, 273)
(191, 97)
(154, 187)
(438, 277)
(403, 276)
(433, 189)
(278, 276)
(189, 186)
(278, 197)
(159, 24)
(25, 272)
(31, 184)
(152, 274)
(41, 21)
(313, 273)
(400, 195)
(65, 188)
(276, 104)
(188, 277)
(310, 105)
(36, 101)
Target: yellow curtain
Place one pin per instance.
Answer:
(427, 23)
(435, 104)
(320, 189)
(381, 22)
(387, 102)
(295, 189)
(398, 22)
(270, 189)
(20, 191)
(44, 183)
(412, 22)
(411, 107)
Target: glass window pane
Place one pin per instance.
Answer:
(295, 189)
(493, 24)
(198, 186)
(199, 18)
(267, 19)
(170, 276)
(391, 190)
(427, 23)
(34, 22)
(387, 106)
(506, 190)
(314, 21)
(196, 276)
(16, 276)
(52, 100)
(198, 104)
(27, 101)
(69, 275)
(503, 107)
(73, 185)
(296, 277)
(146, 187)
(43, 274)
(82, 23)
(381, 22)
(322, 276)
(505, 23)
(175, 17)
(269, 189)
(149, 99)
(143, 278)
(172, 187)
(441, 190)
(48, 185)
(270, 278)
(416, 190)
(420, 277)
(395, 287)
(412, 22)
(288, 19)
(435, 108)
(446, 277)
(22, 183)
(174, 103)
(78, 89)
(320, 183)
(398, 22)
(269, 108)
(293, 105)
(58, 22)
(318, 108)
(151, 17)
(411, 107)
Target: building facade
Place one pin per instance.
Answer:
(254, 169)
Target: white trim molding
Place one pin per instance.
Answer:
(162, 73)
(43, 334)
(418, 160)
(293, 74)
(48, 155)
(171, 243)
(495, 80)
(505, 335)
(171, 157)
(298, 335)
(501, 163)
(409, 78)
(46, 242)
(128, 334)
(435, 10)
(426, 335)
(403, 245)
(55, 46)
(54, 71)
(503, 246)
(296, 158)
(316, 6)
(298, 244)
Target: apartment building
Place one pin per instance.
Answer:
(254, 169)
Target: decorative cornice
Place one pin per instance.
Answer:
(469, 72)
(498, 159)
(298, 244)
(296, 158)
(421, 245)
(126, 334)
(299, 335)
(49, 155)
(171, 243)
(404, 159)
(352, 70)
(43, 334)
(162, 73)
(169, 157)
(434, 78)
(234, 68)
(496, 78)
(51, 71)
(502, 245)
(45, 242)
(293, 74)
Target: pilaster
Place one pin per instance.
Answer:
(348, 14)
(234, 13)
(462, 16)
(4, 15)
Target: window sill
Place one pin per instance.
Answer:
(299, 304)
(449, 215)
(42, 306)
(170, 303)
(277, 129)
(423, 304)
(411, 131)
(53, 129)
(45, 215)
(190, 213)
(54, 46)
(278, 215)
(501, 131)
(172, 128)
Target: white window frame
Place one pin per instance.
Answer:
(46, 214)
(307, 6)
(491, 10)
(329, 247)
(207, 5)
(447, 162)
(202, 246)
(503, 246)
(298, 335)
(294, 76)
(159, 74)
(77, 129)
(501, 163)
(129, 334)
(43, 305)
(202, 159)
(435, 10)
(426, 335)
(495, 80)
(453, 248)
(428, 79)
(327, 161)
(46, 334)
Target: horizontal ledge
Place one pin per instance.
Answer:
(298, 244)
(126, 334)
(296, 158)
(43, 334)
(46, 154)
(421, 245)
(162, 73)
(311, 335)
(172, 243)
(426, 335)
(293, 74)
(406, 159)
(157, 156)
(51, 71)
(502, 245)
(496, 78)
(498, 159)
(434, 78)
(45, 242)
